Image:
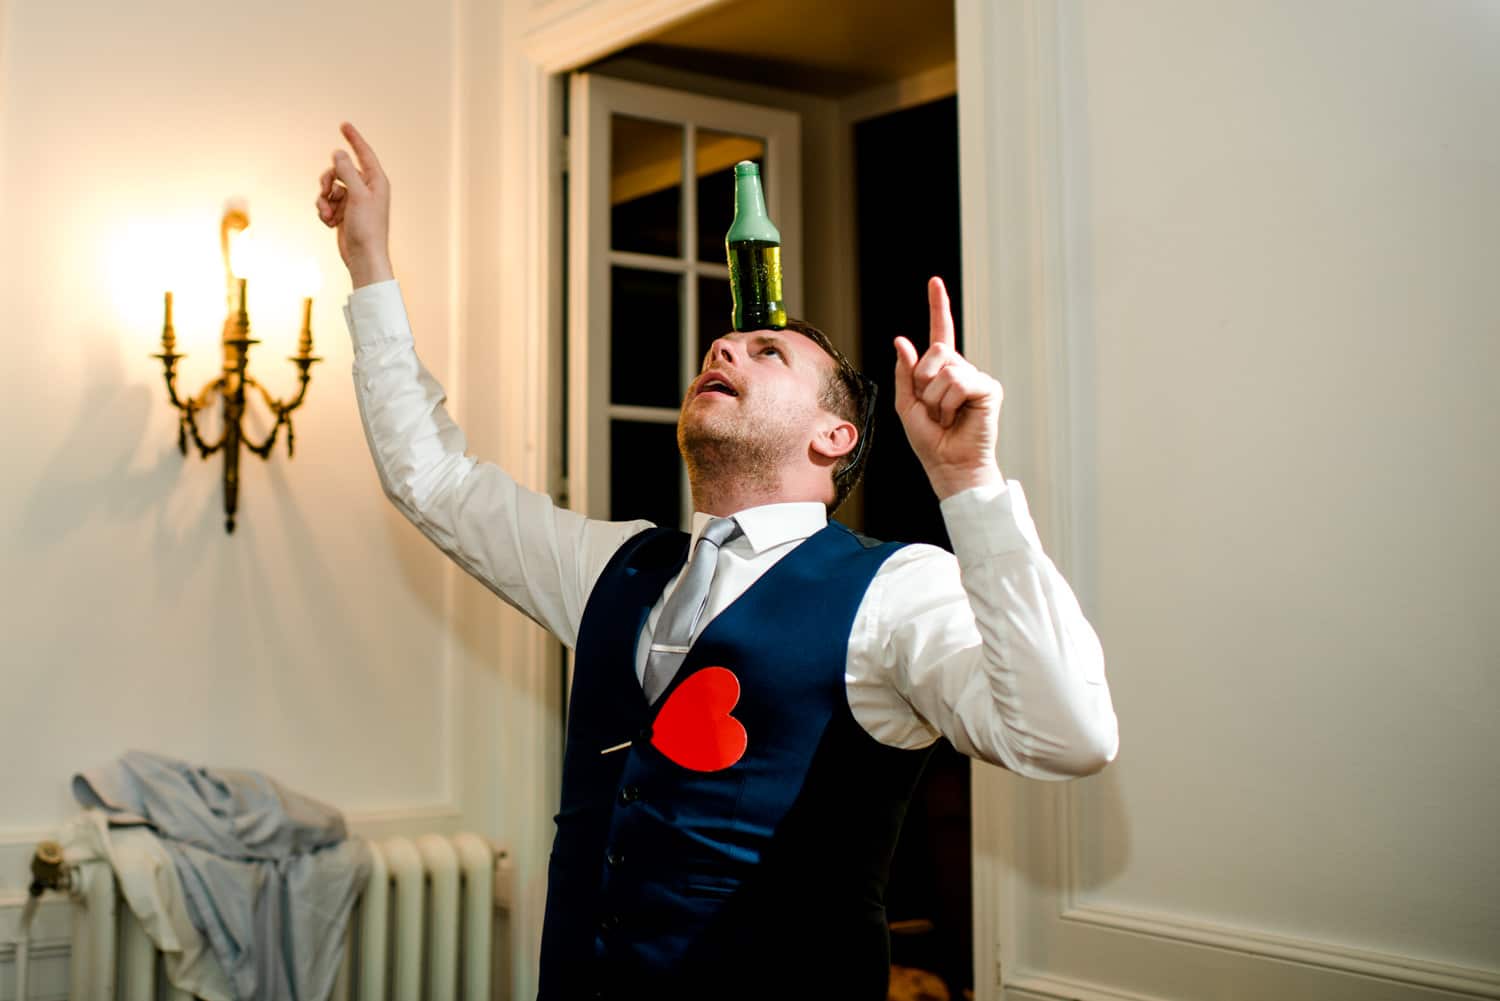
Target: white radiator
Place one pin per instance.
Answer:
(424, 929)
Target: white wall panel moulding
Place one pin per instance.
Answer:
(1399, 969)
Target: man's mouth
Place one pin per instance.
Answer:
(715, 384)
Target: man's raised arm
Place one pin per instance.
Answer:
(538, 557)
(990, 649)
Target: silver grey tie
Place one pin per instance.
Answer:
(674, 630)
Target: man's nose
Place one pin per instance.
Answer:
(722, 349)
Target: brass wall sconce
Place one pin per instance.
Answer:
(231, 385)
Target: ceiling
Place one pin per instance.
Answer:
(830, 47)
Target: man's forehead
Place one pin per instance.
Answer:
(789, 338)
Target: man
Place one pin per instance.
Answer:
(751, 704)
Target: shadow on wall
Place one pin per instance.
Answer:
(91, 472)
(1111, 843)
(1097, 823)
(96, 474)
(467, 608)
(128, 533)
(93, 476)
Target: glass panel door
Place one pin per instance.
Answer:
(650, 198)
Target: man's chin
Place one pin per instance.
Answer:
(693, 428)
(712, 408)
(702, 431)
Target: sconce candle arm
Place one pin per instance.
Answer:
(304, 363)
(190, 420)
(206, 394)
(264, 448)
(187, 424)
(169, 363)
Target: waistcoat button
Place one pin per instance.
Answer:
(615, 858)
(630, 794)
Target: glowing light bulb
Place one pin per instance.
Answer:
(244, 254)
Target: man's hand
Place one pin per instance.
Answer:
(357, 202)
(950, 409)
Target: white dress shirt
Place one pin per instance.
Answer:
(987, 647)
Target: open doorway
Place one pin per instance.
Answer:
(908, 229)
(870, 84)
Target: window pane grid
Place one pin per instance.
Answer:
(661, 197)
(645, 185)
(648, 415)
(645, 309)
(673, 265)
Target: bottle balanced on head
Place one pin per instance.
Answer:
(754, 247)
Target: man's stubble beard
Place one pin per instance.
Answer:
(721, 448)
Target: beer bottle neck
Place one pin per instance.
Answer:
(749, 199)
(750, 219)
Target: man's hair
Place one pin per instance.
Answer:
(848, 393)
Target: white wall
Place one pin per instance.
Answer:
(325, 641)
(1252, 380)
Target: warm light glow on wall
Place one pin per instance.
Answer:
(144, 257)
(304, 278)
(280, 277)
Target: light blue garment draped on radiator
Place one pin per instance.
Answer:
(270, 875)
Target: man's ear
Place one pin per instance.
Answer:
(835, 440)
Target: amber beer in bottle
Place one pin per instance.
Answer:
(754, 248)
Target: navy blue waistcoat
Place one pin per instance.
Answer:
(762, 879)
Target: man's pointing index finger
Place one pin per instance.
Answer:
(941, 317)
(369, 164)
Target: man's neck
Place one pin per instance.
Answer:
(722, 496)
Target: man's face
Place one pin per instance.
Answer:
(757, 389)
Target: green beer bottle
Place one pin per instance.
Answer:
(754, 248)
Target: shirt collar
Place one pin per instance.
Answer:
(771, 525)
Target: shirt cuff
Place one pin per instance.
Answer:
(989, 521)
(376, 315)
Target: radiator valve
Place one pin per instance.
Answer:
(47, 869)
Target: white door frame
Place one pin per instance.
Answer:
(595, 100)
(1006, 107)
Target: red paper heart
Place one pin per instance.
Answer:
(694, 727)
